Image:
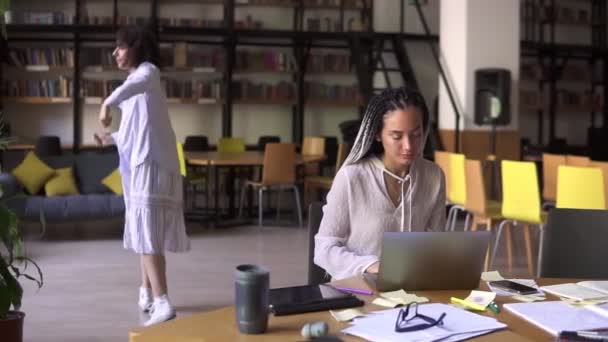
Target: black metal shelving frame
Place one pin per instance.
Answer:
(539, 41)
(361, 44)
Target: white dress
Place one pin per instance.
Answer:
(149, 167)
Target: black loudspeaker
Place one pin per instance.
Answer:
(492, 97)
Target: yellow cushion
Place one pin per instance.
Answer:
(33, 173)
(63, 183)
(114, 182)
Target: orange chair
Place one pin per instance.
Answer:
(483, 210)
(550, 164)
(313, 183)
(279, 172)
(572, 160)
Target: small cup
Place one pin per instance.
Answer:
(251, 291)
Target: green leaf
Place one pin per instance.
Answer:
(4, 6)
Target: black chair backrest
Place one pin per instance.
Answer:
(267, 139)
(575, 244)
(48, 146)
(196, 143)
(316, 275)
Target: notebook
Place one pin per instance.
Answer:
(557, 316)
(309, 298)
(584, 290)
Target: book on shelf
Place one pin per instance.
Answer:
(190, 22)
(24, 57)
(584, 290)
(37, 17)
(265, 61)
(323, 63)
(61, 87)
(247, 90)
(316, 91)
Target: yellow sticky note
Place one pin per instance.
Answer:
(346, 315)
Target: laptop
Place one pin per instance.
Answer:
(430, 261)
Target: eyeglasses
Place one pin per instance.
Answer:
(410, 313)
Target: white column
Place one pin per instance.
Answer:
(477, 34)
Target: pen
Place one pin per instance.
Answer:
(351, 290)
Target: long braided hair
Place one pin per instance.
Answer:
(373, 120)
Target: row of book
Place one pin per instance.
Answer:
(558, 13)
(61, 87)
(327, 24)
(329, 92)
(565, 98)
(37, 17)
(247, 90)
(305, 3)
(265, 61)
(21, 57)
(163, 21)
(184, 55)
(188, 89)
(571, 72)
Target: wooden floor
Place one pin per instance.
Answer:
(91, 286)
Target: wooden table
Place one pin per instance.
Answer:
(250, 159)
(220, 325)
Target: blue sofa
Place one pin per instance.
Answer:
(94, 202)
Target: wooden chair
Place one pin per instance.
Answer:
(604, 167)
(279, 172)
(550, 164)
(315, 183)
(573, 160)
(484, 211)
(313, 146)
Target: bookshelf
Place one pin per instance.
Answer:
(563, 69)
(208, 59)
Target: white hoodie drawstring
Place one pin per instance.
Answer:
(402, 180)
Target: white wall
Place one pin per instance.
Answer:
(478, 34)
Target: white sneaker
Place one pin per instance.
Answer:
(162, 311)
(145, 302)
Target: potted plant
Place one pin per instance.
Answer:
(13, 265)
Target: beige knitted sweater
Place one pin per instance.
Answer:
(359, 210)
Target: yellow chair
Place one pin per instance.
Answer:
(457, 192)
(483, 210)
(231, 145)
(520, 203)
(550, 164)
(191, 180)
(580, 188)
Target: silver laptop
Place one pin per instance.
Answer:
(431, 261)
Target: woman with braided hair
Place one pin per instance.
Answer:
(384, 185)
